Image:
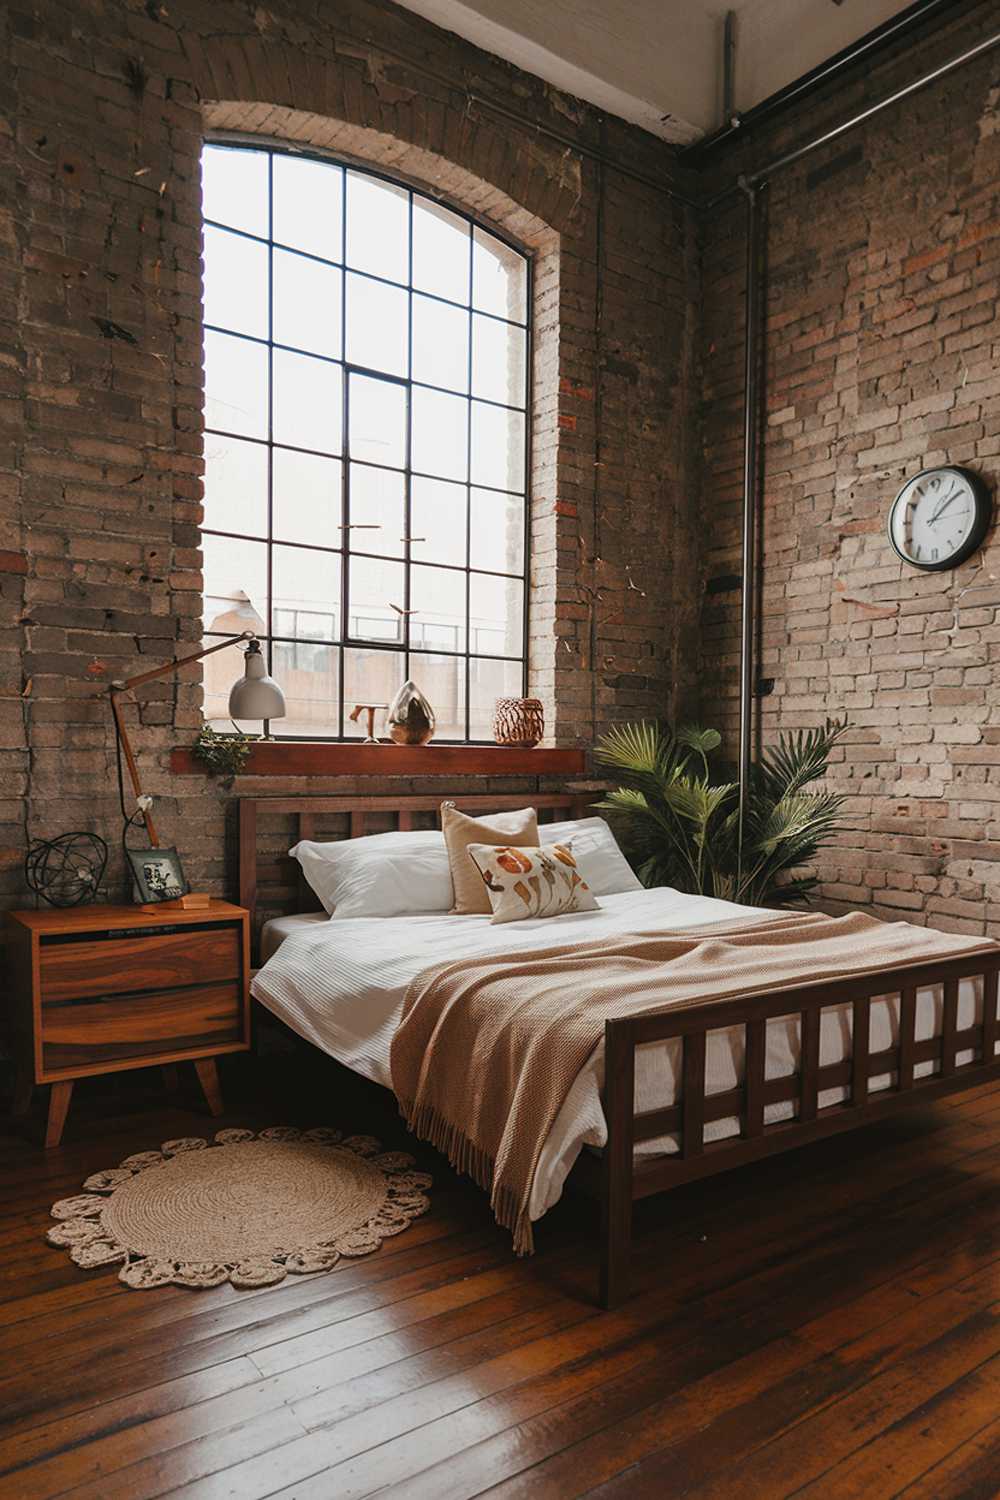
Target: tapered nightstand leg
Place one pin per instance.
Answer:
(208, 1077)
(24, 1087)
(59, 1099)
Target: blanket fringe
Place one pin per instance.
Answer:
(465, 1156)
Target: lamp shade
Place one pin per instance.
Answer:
(256, 695)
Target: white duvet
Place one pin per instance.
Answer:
(340, 985)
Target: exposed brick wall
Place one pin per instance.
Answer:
(103, 108)
(882, 343)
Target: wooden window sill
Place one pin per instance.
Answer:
(315, 758)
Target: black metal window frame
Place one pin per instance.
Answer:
(343, 640)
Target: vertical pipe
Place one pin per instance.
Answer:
(729, 70)
(748, 612)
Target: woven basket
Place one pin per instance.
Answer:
(518, 721)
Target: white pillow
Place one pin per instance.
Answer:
(379, 875)
(608, 871)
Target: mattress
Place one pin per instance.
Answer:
(273, 933)
(340, 985)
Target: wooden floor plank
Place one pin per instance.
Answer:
(824, 1319)
(968, 1473)
(919, 1441)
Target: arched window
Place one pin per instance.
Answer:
(366, 379)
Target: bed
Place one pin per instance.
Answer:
(670, 1096)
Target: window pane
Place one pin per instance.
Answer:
(374, 587)
(439, 441)
(235, 485)
(235, 282)
(309, 677)
(496, 615)
(499, 278)
(306, 593)
(378, 421)
(488, 681)
(437, 521)
(378, 511)
(234, 188)
(308, 205)
(437, 598)
(307, 305)
(306, 499)
(497, 447)
(497, 532)
(441, 679)
(378, 238)
(377, 334)
(235, 587)
(441, 251)
(218, 676)
(307, 402)
(499, 361)
(370, 676)
(235, 385)
(440, 344)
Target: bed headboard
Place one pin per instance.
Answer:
(271, 884)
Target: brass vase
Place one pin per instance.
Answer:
(410, 718)
(519, 721)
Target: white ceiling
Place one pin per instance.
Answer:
(658, 63)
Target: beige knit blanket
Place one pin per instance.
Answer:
(489, 1047)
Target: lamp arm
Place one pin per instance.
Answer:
(133, 769)
(167, 667)
(164, 670)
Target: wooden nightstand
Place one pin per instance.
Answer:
(97, 989)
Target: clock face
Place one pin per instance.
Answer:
(939, 518)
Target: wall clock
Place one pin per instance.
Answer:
(940, 517)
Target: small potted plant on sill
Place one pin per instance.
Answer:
(224, 755)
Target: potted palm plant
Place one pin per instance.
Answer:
(682, 829)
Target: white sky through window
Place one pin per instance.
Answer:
(366, 366)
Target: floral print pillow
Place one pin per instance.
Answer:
(531, 882)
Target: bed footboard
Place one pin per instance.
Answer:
(624, 1180)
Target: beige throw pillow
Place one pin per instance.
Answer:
(516, 828)
(524, 882)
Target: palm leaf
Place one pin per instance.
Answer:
(633, 748)
(797, 759)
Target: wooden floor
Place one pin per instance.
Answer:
(822, 1325)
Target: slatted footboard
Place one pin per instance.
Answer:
(626, 1178)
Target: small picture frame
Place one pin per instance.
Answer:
(158, 874)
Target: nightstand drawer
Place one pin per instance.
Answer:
(92, 1033)
(115, 965)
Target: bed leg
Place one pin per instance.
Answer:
(616, 1198)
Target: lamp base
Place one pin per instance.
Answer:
(193, 901)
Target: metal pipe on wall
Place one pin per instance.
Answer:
(751, 431)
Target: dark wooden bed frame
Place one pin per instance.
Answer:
(615, 1177)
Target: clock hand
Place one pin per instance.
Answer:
(943, 506)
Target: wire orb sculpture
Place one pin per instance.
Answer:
(68, 870)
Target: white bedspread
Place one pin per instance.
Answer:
(340, 985)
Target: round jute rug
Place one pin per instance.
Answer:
(248, 1209)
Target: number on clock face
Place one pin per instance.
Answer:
(939, 518)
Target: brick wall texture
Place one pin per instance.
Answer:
(104, 105)
(883, 328)
(881, 357)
